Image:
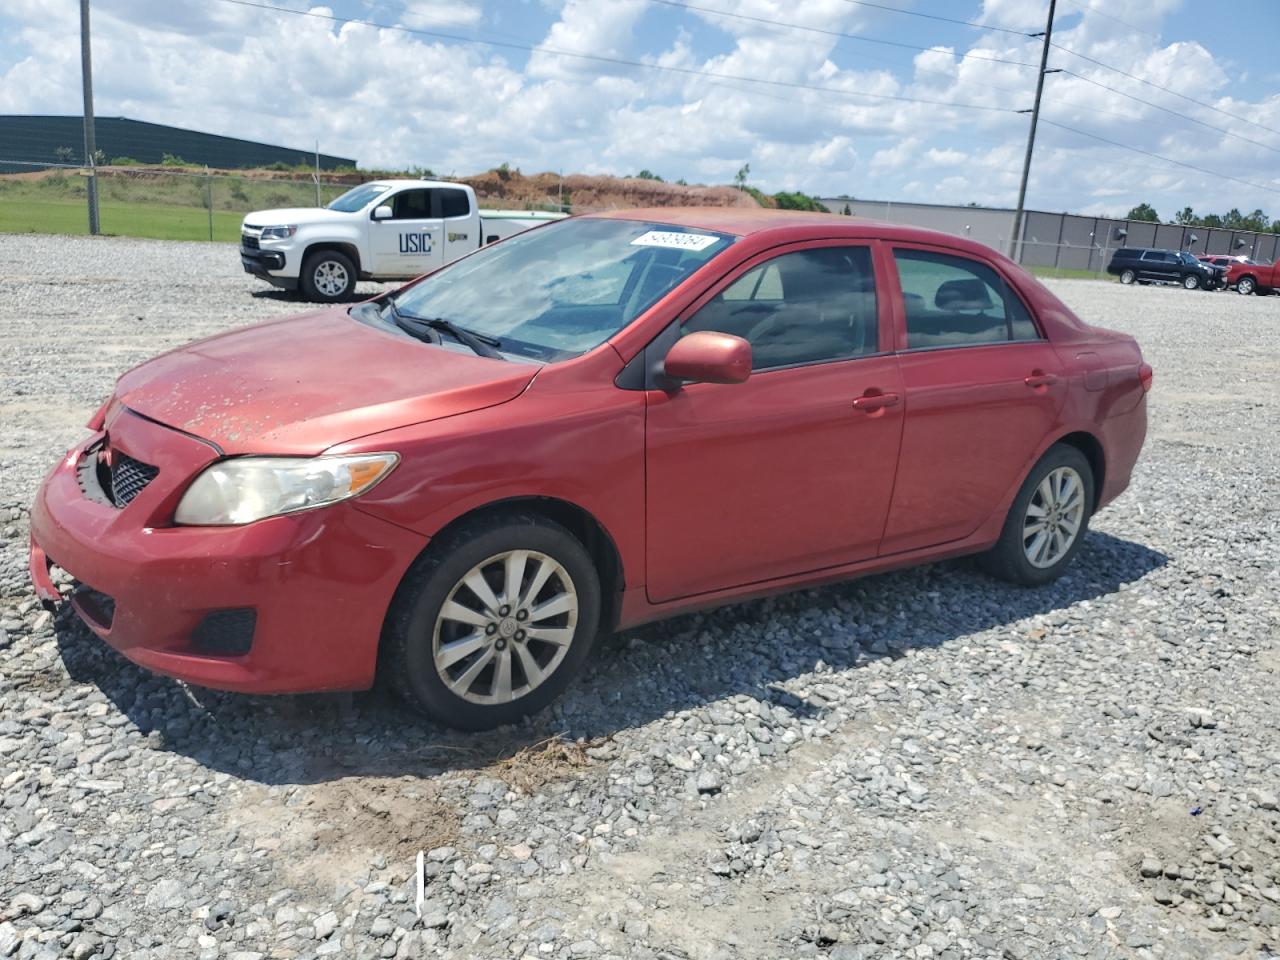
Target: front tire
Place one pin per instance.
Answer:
(1127, 277)
(1191, 282)
(1246, 286)
(1047, 521)
(492, 623)
(328, 276)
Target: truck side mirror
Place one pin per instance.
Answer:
(382, 212)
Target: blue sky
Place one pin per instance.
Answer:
(393, 97)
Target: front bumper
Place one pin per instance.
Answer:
(313, 587)
(261, 263)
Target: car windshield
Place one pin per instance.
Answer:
(559, 290)
(1188, 258)
(357, 198)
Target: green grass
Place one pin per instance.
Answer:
(147, 204)
(157, 221)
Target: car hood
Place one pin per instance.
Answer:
(297, 216)
(301, 385)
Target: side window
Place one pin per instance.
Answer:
(453, 203)
(411, 205)
(952, 301)
(804, 307)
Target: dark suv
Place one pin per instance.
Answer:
(1142, 265)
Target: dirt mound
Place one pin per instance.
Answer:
(584, 193)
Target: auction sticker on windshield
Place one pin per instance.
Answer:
(672, 238)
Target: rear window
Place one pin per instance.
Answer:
(954, 301)
(1128, 253)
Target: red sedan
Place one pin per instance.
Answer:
(606, 420)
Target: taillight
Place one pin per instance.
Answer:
(1145, 374)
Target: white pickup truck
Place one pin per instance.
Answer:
(381, 230)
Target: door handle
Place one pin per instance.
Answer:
(1039, 378)
(870, 402)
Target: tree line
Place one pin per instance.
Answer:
(1233, 219)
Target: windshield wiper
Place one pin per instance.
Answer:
(404, 322)
(480, 343)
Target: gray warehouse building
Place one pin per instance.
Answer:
(28, 142)
(1063, 240)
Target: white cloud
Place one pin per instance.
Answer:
(425, 14)
(392, 97)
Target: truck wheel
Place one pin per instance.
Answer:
(1246, 286)
(1191, 281)
(1128, 276)
(328, 276)
(492, 622)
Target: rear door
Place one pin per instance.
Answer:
(409, 243)
(982, 389)
(1158, 265)
(460, 227)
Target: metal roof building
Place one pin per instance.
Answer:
(29, 142)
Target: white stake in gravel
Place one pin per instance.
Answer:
(422, 883)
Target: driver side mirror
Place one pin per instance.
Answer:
(709, 357)
(382, 212)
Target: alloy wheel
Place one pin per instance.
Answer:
(1245, 286)
(505, 627)
(331, 278)
(1055, 514)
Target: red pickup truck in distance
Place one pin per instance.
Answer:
(1250, 277)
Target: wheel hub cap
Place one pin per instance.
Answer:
(1054, 517)
(505, 627)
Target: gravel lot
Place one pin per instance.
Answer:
(922, 764)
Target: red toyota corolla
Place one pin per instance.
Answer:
(596, 423)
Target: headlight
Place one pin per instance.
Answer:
(277, 233)
(244, 489)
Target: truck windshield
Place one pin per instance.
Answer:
(557, 291)
(357, 198)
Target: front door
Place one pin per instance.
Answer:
(792, 470)
(409, 243)
(982, 390)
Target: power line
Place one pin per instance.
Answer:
(1102, 13)
(680, 5)
(934, 16)
(839, 34)
(1152, 83)
(1148, 153)
(616, 61)
(1155, 106)
(846, 36)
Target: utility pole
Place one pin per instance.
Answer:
(317, 177)
(1015, 245)
(86, 72)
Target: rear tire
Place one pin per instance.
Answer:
(476, 662)
(1127, 277)
(1058, 497)
(328, 276)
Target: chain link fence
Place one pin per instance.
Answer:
(179, 203)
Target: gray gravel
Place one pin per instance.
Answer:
(921, 764)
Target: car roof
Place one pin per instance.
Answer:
(750, 221)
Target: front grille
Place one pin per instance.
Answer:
(248, 242)
(128, 477)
